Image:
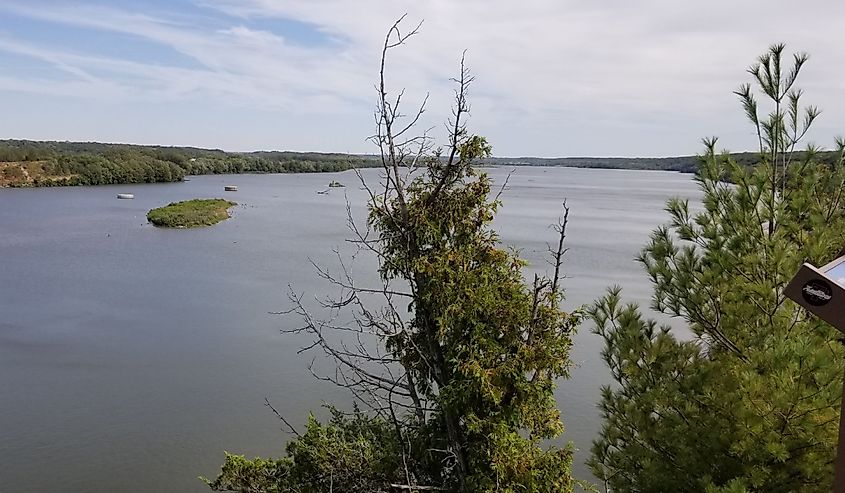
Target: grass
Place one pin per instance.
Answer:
(191, 213)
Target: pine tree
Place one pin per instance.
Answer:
(750, 400)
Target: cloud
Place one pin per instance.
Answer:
(553, 78)
(251, 66)
(618, 59)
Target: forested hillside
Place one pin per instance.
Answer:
(26, 163)
(30, 163)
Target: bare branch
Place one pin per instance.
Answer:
(279, 415)
(561, 251)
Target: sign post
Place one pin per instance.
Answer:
(822, 292)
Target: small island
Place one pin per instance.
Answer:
(191, 213)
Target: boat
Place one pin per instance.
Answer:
(230, 188)
(126, 195)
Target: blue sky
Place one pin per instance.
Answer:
(565, 78)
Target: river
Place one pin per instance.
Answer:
(131, 357)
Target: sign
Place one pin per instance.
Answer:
(821, 291)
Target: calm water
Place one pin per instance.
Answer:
(131, 357)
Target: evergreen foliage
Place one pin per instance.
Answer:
(345, 455)
(750, 400)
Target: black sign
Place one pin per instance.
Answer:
(817, 292)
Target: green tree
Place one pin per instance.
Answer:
(459, 356)
(749, 401)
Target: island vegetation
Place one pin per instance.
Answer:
(191, 213)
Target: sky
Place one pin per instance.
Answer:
(553, 78)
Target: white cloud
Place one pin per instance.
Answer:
(553, 78)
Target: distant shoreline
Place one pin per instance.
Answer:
(28, 163)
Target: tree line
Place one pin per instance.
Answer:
(36, 163)
(92, 163)
(682, 164)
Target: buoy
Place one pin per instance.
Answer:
(230, 188)
(126, 196)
